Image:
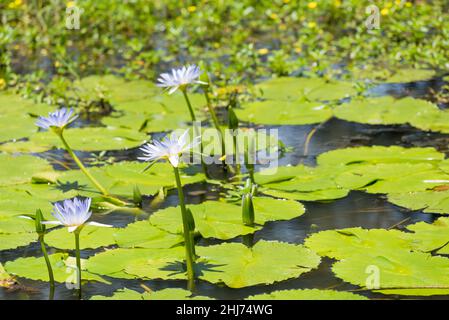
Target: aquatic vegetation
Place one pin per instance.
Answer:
(74, 214)
(294, 133)
(171, 149)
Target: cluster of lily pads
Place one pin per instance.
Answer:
(164, 245)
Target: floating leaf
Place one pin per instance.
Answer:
(92, 139)
(429, 237)
(318, 195)
(344, 243)
(121, 178)
(20, 169)
(90, 238)
(285, 88)
(410, 75)
(379, 154)
(112, 263)
(307, 294)
(284, 112)
(222, 220)
(391, 177)
(15, 240)
(165, 294)
(400, 272)
(427, 201)
(384, 110)
(36, 269)
(238, 266)
(142, 234)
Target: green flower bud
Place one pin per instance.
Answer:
(38, 218)
(233, 121)
(137, 196)
(247, 210)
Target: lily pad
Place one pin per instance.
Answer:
(379, 154)
(142, 234)
(20, 169)
(391, 177)
(427, 201)
(35, 268)
(399, 272)
(238, 266)
(318, 195)
(115, 262)
(90, 238)
(384, 110)
(222, 220)
(164, 294)
(284, 112)
(285, 88)
(121, 178)
(5, 279)
(430, 237)
(344, 243)
(410, 75)
(307, 294)
(92, 139)
(15, 240)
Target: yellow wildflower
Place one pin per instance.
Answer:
(337, 3)
(2, 83)
(282, 27)
(312, 5)
(191, 9)
(298, 50)
(286, 1)
(70, 4)
(274, 16)
(384, 11)
(311, 24)
(15, 4)
(389, 4)
(262, 51)
(408, 4)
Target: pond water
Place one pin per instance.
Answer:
(358, 209)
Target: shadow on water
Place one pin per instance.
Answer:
(358, 209)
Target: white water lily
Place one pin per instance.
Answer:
(59, 119)
(170, 148)
(180, 78)
(73, 213)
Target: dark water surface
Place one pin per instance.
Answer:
(358, 209)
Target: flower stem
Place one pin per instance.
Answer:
(188, 243)
(215, 121)
(49, 268)
(192, 114)
(82, 167)
(78, 261)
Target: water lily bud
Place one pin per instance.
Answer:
(204, 77)
(190, 220)
(233, 121)
(38, 218)
(137, 196)
(247, 210)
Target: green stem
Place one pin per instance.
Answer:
(192, 114)
(49, 268)
(215, 121)
(187, 237)
(82, 167)
(78, 261)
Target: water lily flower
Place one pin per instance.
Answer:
(171, 148)
(73, 213)
(58, 119)
(180, 78)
